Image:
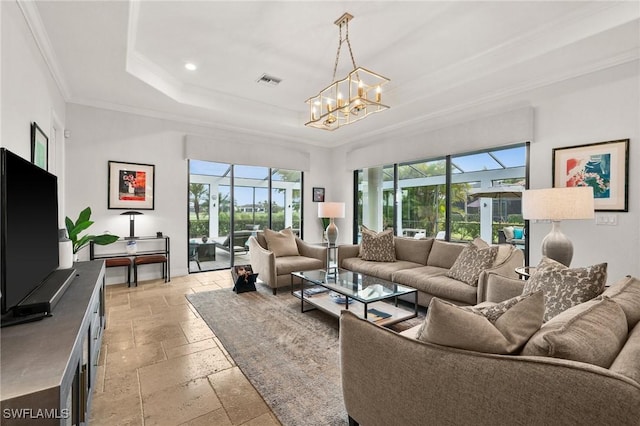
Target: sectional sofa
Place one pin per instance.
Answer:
(393, 378)
(423, 264)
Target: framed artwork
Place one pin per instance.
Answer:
(318, 195)
(604, 166)
(131, 186)
(39, 147)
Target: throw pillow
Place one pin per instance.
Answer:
(377, 246)
(518, 233)
(500, 329)
(471, 262)
(508, 232)
(592, 332)
(281, 243)
(565, 287)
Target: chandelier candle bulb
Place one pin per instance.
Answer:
(360, 89)
(340, 100)
(378, 94)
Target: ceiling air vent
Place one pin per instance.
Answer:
(269, 80)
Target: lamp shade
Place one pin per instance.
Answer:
(331, 210)
(558, 203)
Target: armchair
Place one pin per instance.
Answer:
(275, 271)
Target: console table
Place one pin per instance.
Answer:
(146, 246)
(49, 366)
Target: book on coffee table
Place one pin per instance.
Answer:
(376, 315)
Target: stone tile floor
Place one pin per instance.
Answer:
(160, 364)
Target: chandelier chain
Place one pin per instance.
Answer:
(340, 41)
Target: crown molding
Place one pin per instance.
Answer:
(34, 22)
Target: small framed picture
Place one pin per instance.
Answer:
(318, 195)
(39, 147)
(603, 166)
(131, 186)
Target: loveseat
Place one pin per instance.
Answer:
(393, 378)
(423, 264)
(275, 255)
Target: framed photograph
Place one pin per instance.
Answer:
(39, 147)
(318, 195)
(131, 186)
(604, 166)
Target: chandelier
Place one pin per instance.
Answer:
(353, 98)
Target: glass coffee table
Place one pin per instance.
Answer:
(332, 290)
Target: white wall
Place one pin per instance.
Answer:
(29, 92)
(99, 135)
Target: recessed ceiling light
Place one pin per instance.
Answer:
(190, 66)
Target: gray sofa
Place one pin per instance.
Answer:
(276, 271)
(423, 263)
(392, 378)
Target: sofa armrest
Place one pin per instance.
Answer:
(506, 268)
(347, 251)
(263, 262)
(314, 251)
(388, 379)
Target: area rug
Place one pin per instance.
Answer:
(290, 357)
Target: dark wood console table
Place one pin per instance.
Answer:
(49, 366)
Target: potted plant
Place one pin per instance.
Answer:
(82, 223)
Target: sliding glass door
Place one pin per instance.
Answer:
(230, 203)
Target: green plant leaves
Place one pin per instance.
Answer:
(81, 224)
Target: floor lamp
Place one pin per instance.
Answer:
(331, 211)
(556, 204)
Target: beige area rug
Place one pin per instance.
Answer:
(291, 358)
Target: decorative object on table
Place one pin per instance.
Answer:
(602, 166)
(244, 278)
(205, 239)
(132, 246)
(131, 185)
(332, 211)
(318, 195)
(556, 204)
(82, 223)
(65, 250)
(132, 224)
(340, 299)
(350, 99)
(159, 234)
(39, 147)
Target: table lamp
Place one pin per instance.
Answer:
(331, 210)
(132, 214)
(556, 204)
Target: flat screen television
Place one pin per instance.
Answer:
(29, 228)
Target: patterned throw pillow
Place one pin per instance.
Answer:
(565, 287)
(500, 329)
(471, 262)
(377, 246)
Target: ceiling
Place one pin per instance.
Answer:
(442, 57)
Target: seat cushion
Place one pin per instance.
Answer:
(288, 264)
(501, 329)
(433, 281)
(377, 246)
(592, 332)
(384, 270)
(281, 243)
(565, 287)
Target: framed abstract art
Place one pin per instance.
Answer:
(604, 166)
(131, 186)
